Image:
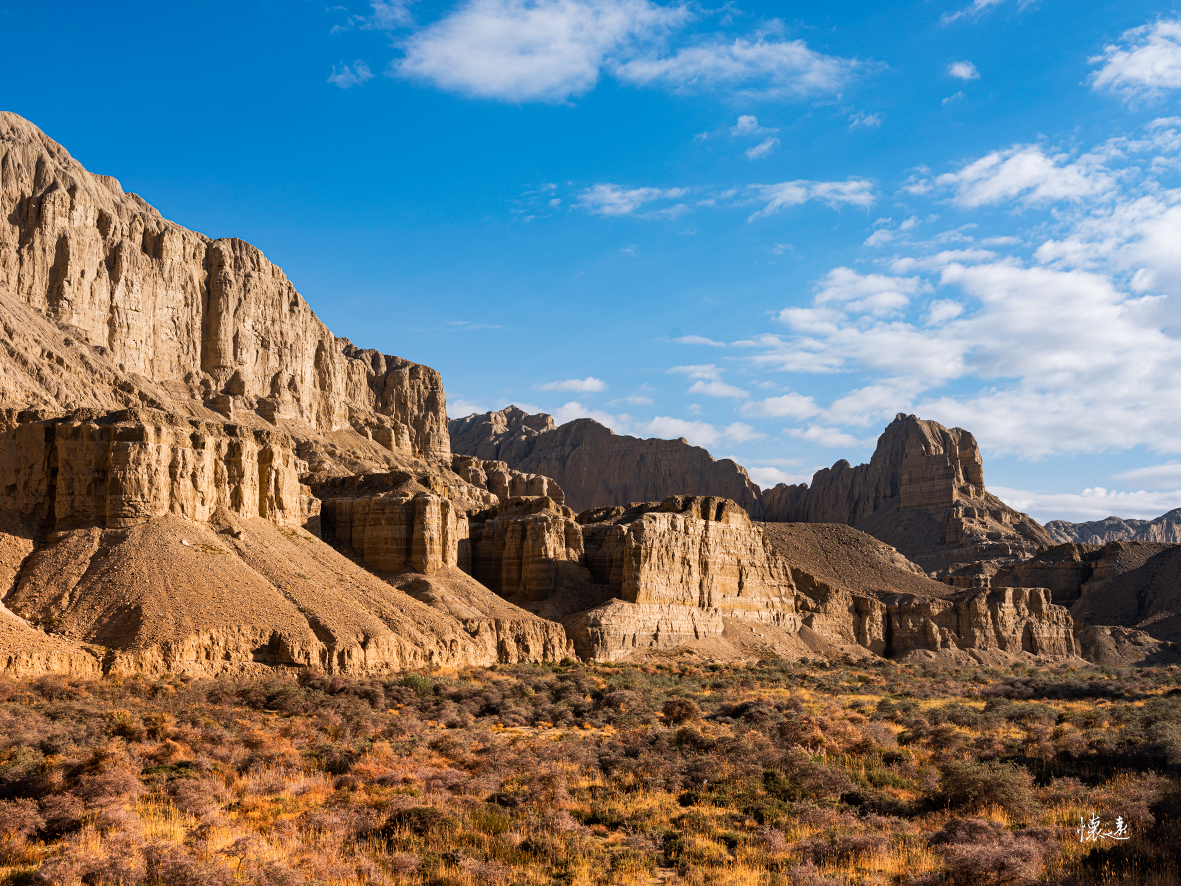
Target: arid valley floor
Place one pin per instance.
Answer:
(271, 616)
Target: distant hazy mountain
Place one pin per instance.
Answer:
(1165, 528)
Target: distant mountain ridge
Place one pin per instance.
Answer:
(1166, 529)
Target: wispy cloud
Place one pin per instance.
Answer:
(614, 200)
(852, 192)
(963, 71)
(762, 149)
(1145, 64)
(748, 124)
(553, 50)
(698, 340)
(717, 388)
(763, 64)
(977, 8)
(350, 75)
(590, 383)
(1027, 172)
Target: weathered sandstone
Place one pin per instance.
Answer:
(504, 482)
(117, 469)
(922, 492)
(596, 467)
(392, 521)
(179, 321)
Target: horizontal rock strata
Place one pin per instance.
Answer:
(118, 469)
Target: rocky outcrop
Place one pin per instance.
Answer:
(853, 588)
(1164, 529)
(392, 521)
(504, 482)
(118, 469)
(1125, 647)
(520, 547)
(162, 395)
(172, 319)
(686, 572)
(1063, 569)
(922, 492)
(596, 467)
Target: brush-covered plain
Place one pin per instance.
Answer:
(772, 773)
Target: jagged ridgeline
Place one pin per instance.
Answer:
(197, 476)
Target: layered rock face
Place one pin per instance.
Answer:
(505, 482)
(1164, 529)
(678, 569)
(691, 571)
(180, 321)
(922, 492)
(394, 522)
(122, 468)
(856, 589)
(596, 467)
(162, 395)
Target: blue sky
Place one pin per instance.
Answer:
(765, 227)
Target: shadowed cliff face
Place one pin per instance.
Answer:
(178, 321)
(922, 492)
(596, 467)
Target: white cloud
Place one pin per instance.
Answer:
(552, 50)
(707, 371)
(573, 409)
(460, 407)
(954, 97)
(740, 432)
(869, 121)
(699, 433)
(821, 436)
(976, 8)
(852, 192)
(748, 124)
(590, 383)
(762, 65)
(346, 76)
(876, 294)
(1166, 476)
(790, 405)
(963, 71)
(389, 15)
(609, 199)
(1094, 503)
(767, 476)
(531, 50)
(699, 340)
(1145, 64)
(762, 149)
(717, 389)
(1026, 171)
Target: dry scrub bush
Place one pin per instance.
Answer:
(773, 774)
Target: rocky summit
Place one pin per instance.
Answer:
(197, 477)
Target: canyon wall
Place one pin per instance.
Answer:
(210, 325)
(596, 467)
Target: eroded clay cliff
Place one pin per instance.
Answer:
(597, 467)
(179, 321)
(922, 492)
